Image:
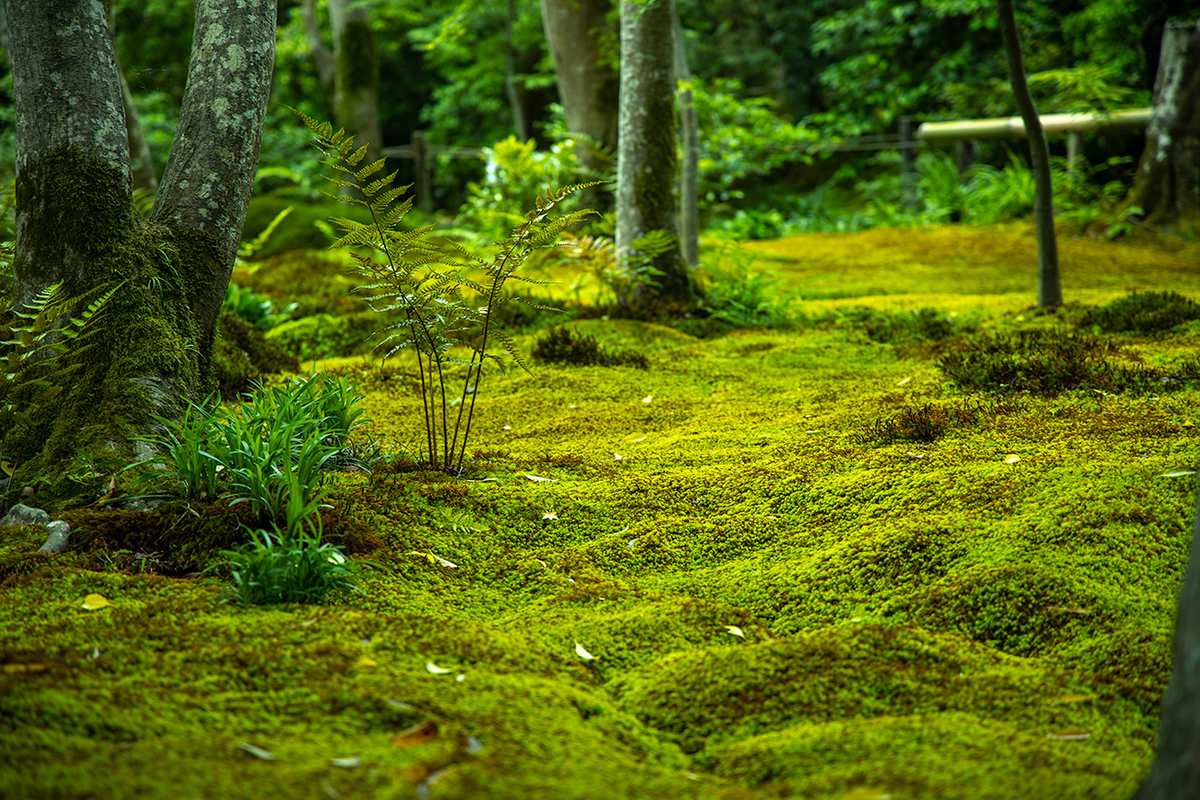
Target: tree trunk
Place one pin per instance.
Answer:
(356, 77)
(1175, 773)
(689, 173)
(588, 85)
(648, 153)
(1049, 284)
(142, 168)
(1167, 188)
(76, 223)
(322, 56)
(514, 91)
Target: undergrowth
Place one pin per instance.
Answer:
(565, 346)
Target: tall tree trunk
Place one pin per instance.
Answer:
(647, 151)
(514, 91)
(1167, 188)
(689, 173)
(588, 84)
(356, 77)
(322, 56)
(76, 223)
(1049, 283)
(142, 168)
(1175, 774)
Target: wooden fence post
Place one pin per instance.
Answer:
(421, 171)
(908, 154)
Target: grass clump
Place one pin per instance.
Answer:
(901, 327)
(924, 424)
(1143, 312)
(1050, 362)
(564, 346)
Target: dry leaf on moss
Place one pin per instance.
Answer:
(94, 602)
(418, 734)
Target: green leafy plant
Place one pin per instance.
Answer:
(41, 344)
(446, 296)
(564, 346)
(1143, 312)
(1050, 362)
(746, 298)
(254, 308)
(276, 568)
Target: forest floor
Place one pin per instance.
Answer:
(783, 591)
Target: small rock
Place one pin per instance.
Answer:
(57, 534)
(24, 515)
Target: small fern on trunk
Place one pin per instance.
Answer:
(431, 285)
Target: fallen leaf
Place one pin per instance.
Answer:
(735, 630)
(1068, 610)
(617, 456)
(418, 734)
(1178, 473)
(1069, 736)
(346, 763)
(916, 455)
(366, 662)
(11, 668)
(460, 678)
(866, 793)
(1012, 459)
(436, 670)
(584, 654)
(904, 381)
(95, 601)
(540, 479)
(257, 752)
(647, 398)
(1075, 698)
(508, 427)
(549, 515)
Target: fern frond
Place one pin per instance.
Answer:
(371, 169)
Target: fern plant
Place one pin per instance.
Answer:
(445, 297)
(40, 344)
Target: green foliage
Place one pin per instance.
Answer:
(741, 138)
(274, 569)
(1050, 362)
(1143, 312)
(900, 327)
(40, 346)
(270, 452)
(430, 285)
(564, 346)
(746, 298)
(917, 423)
(516, 171)
(254, 308)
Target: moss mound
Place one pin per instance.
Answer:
(1144, 312)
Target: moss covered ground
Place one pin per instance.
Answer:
(779, 600)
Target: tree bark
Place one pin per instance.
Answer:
(689, 173)
(648, 152)
(514, 91)
(76, 223)
(356, 76)
(1167, 187)
(1175, 773)
(1049, 283)
(588, 85)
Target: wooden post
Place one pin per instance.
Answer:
(1074, 150)
(964, 155)
(908, 153)
(421, 172)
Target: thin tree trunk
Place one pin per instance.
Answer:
(516, 99)
(322, 56)
(648, 152)
(1167, 187)
(142, 168)
(689, 173)
(356, 77)
(588, 85)
(1049, 283)
(1175, 774)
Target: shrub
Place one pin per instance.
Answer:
(275, 569)
(1049, 362)
(747, 299)
(564, 346)
(1143, 312)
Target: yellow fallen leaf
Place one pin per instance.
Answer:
(1012, 459)
(1075, 698)
(436, 670)
(366, 662)
(735, 630)
(1069, 736)
(584, 654)
(906, 380)
(647, 398)
(95, 601)
(11, 668)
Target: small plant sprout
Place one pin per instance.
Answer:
(445, 309)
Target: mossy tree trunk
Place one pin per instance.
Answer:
(1049, 283)
(1167, 187)
(588, 84)
(647, 153)
(76, 223)
(1175, 773)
